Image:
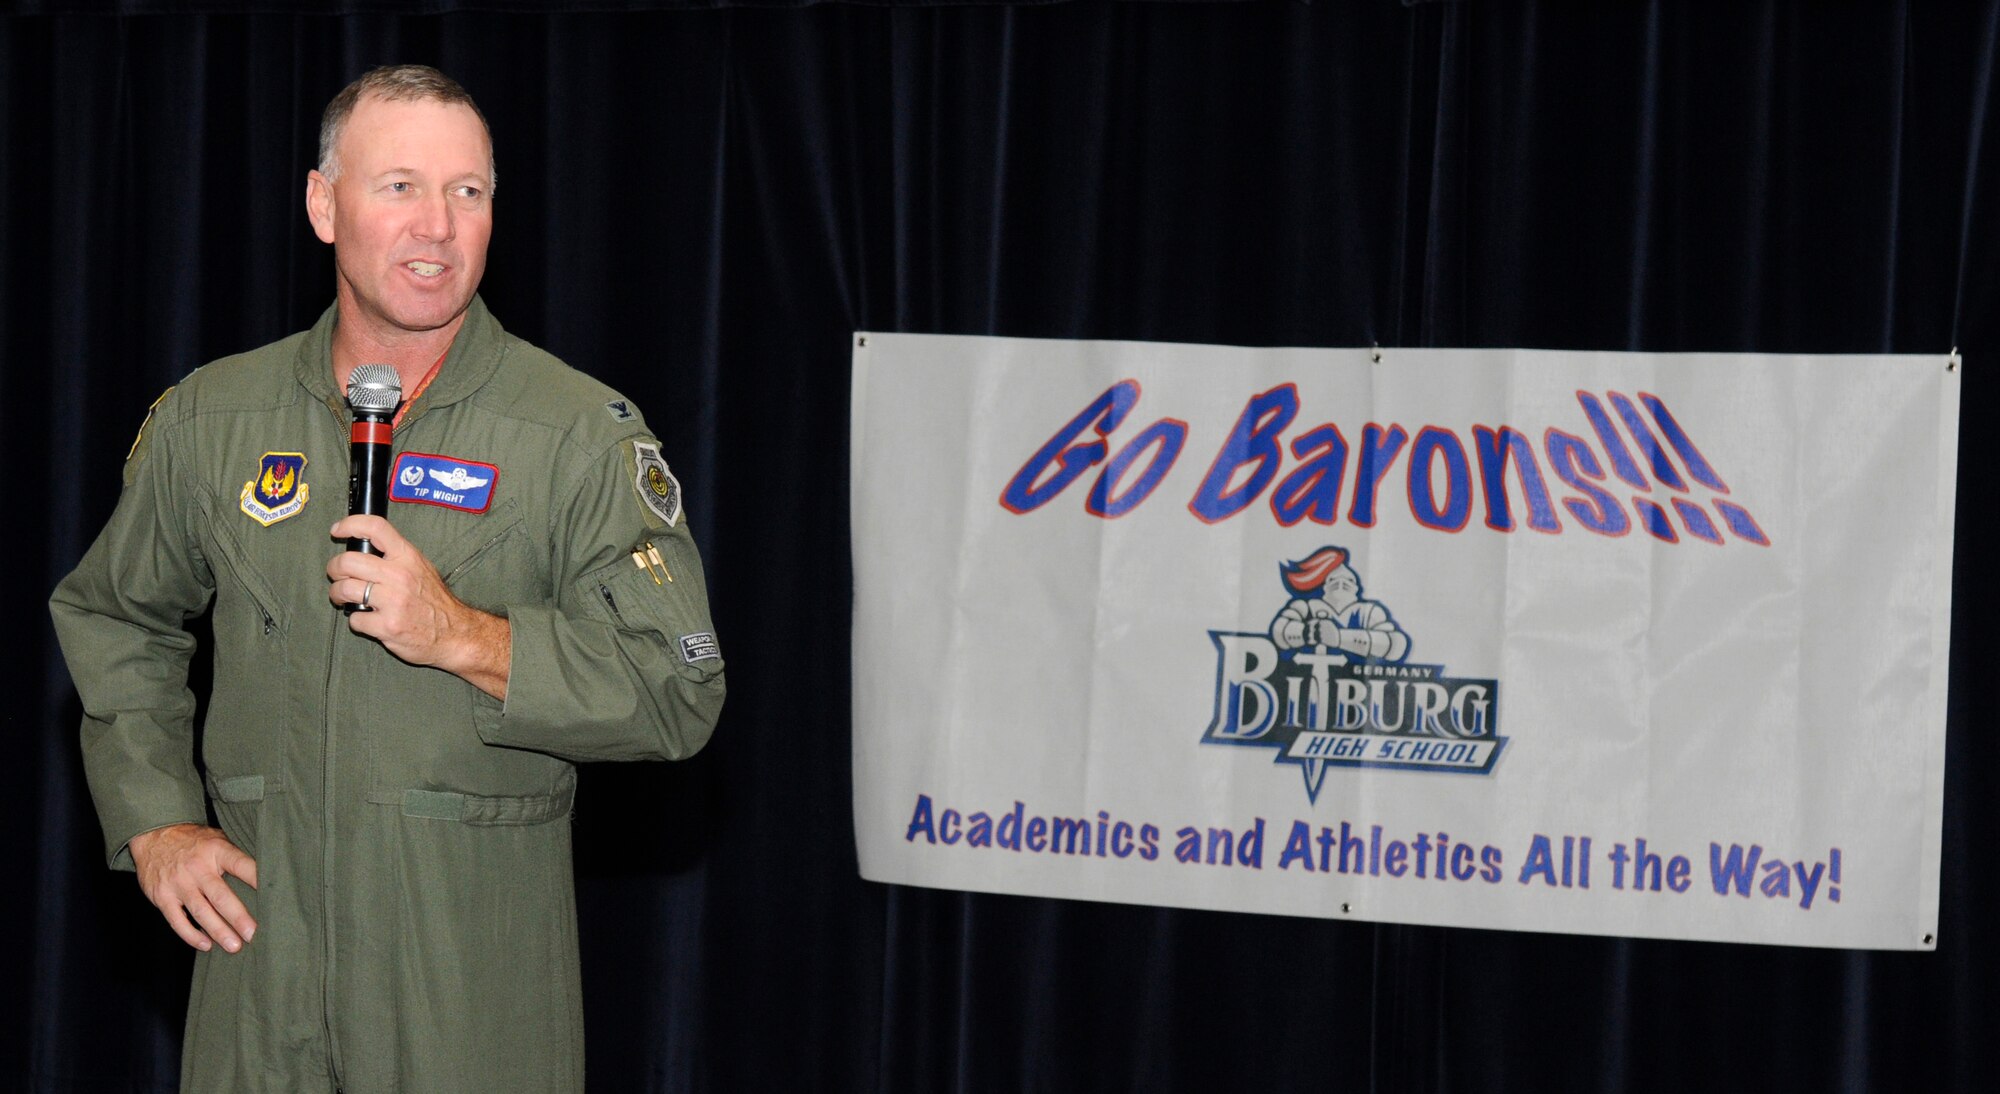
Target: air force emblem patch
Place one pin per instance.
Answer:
(657, 487)
(444, 481)
(278, 491)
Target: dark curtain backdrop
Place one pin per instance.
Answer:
(700, 206)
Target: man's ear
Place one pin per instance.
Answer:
(319, 205)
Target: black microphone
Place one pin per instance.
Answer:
(373, 394)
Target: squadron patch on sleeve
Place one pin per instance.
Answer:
(657, 487)
(279, 490)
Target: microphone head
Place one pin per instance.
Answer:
(375, 389)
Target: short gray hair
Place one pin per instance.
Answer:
(396, 84)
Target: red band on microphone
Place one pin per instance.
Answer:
(369, 433)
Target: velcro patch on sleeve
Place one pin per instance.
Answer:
(141, 437)
(700, 646)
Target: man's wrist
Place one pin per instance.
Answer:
(140, 841)
(141, 845)
(482, 651)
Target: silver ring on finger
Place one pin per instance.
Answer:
(367, 591)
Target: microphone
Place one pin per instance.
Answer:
(373, 394)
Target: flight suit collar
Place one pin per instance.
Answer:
(472, 360)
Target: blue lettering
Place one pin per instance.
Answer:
(1378, 451)
(920, 821)
(1809, 881)
(1642, 434)
(1071, 836)
(1248, 705)
(1734, 870)
(1541, 863)
(1642, 861)
(1250, 850)
(1695, 519)
(1253, 443)
(1168, 435)
(979, 830)
(1614, 445)
(1312, 490)
(1573, 459)
(1497, 450)
(1060, 461)
(1685, 448)
(1298, 848)
(1655, 520)
(1431, 443)
(1742, 523)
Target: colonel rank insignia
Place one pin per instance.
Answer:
(657, 486)
(278, 491)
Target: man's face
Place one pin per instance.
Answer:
(409, 215)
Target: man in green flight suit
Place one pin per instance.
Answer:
(386, 902)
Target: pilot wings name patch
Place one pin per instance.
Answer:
(428, 479)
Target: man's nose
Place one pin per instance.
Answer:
(435, 222)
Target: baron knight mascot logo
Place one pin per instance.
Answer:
(1331, 683)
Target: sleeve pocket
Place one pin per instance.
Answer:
(666, 600)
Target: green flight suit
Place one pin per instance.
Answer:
(415, 909)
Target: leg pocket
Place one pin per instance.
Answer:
(239, 805)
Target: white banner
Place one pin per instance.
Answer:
(1609, 643)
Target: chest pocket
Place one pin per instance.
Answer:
(485, 561)
(247, 603)
(257, 668)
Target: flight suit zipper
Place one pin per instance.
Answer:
(326, 848)
(468, 561)
(237, 569)
(336, 623)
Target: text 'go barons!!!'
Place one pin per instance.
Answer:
(1637, 467)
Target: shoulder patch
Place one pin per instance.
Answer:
(140, 437)
(620, 410)
(658, 490)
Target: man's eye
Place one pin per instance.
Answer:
(399, 188)
(471, 193)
